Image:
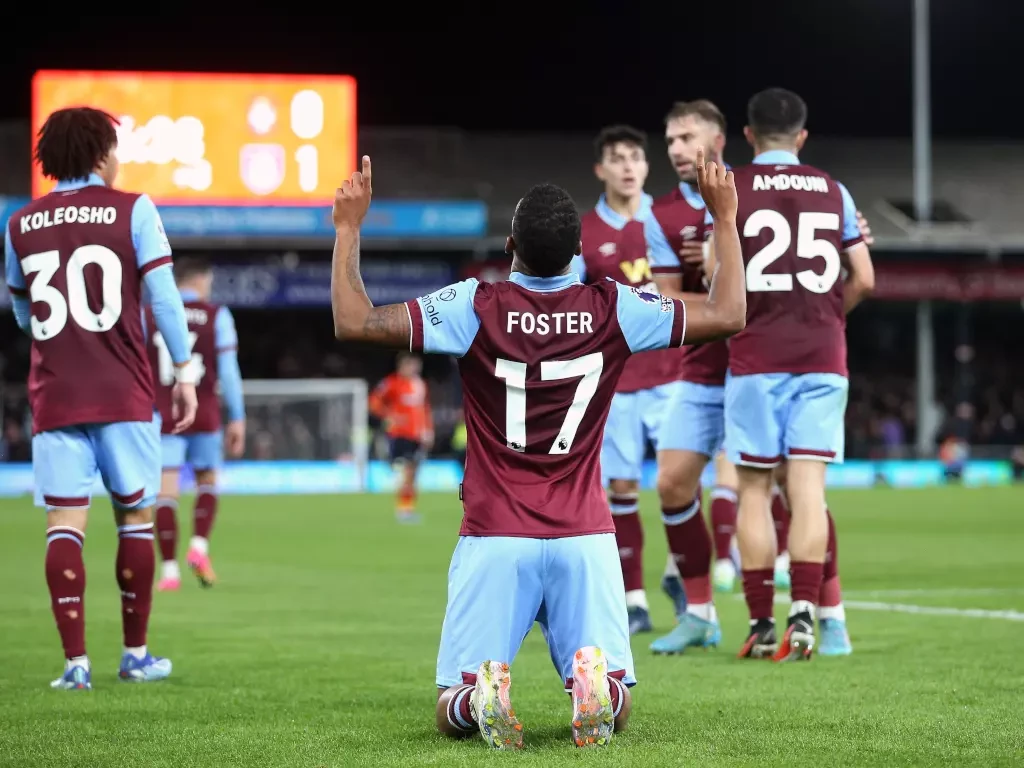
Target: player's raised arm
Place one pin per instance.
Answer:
(856, 258)
(355, 317)
(666, 265)
(723, 312)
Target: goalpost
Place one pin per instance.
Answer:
(308, 420)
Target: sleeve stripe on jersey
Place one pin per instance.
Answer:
(228, 348)
(415, 325)
(847, 244)
(16, 291)
(678, 325)
(676, 270)
(149, 266)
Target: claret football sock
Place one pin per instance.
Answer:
(167, 527)
(690, 545)
(759, 591)
(136, 563)
(807, 581)
(204, 513)
(780, 516)
(65, 578)
(629, 535)
(830, 600)
(723, 519)
(460, 711)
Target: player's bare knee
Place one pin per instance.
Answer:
(206, 477)
(169, 485)
(679, 477)
(75, 517)
(805, 489)
(135, 516)
(725, 472)
(753, 480)
(624, 487)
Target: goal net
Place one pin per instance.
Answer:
(307, 420)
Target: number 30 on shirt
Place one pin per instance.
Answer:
(808, 246)
(76, 304)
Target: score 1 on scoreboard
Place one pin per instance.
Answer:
(216, 139)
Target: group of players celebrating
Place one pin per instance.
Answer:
(121, 388)
(556, 407)
(774, 397)
(553, 402)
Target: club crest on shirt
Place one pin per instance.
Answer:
(650, 298)
(608, 249)
(688, 232)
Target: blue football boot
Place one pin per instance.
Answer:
(691, 632)
(75, 678)
(145, 670)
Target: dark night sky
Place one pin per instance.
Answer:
(850, 59)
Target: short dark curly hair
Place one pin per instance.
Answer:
(74, 141)
(618, 134)
(776, 113)
(546, 230)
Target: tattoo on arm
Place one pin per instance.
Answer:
(355, 280)
(388, 325)
(355, 317)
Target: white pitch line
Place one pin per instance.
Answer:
(932, 610)
(933, 592)
(920, 610)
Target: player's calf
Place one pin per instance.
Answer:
(623, 498)
(204, 516)
(834, 640)
(808, 544)
(65, 578)
(780, 517)
(135, 568)
(724, 510)
(756, 536)
(679, 493)
(167, 540)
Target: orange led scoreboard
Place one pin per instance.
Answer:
(216, 139)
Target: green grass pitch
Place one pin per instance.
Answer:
(317, 648)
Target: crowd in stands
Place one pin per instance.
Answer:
(980, 390)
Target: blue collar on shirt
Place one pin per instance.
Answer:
(779, 156)
(64, 185)
(617, 220)
(187, 294)
(691, 195)
(544, 284)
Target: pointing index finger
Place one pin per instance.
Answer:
(366, 170)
